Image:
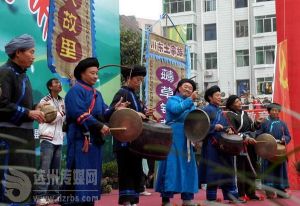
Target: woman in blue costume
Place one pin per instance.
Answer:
(85, 112)
(275, 174)
(178, 173)
(130, 170)
(216, 168)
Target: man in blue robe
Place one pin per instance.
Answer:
(216, 168)
(86, 113)
(275, 173)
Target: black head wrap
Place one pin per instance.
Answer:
(210, 91)
(136, 70)
(273, 105)
(231, 99)
(182, 81)
(83, 65)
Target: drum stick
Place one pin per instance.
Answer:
(251, 166)
(118, 129)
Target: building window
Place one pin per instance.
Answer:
(242, 58)
(241, 28)
(193, 61)
(209, 5)
(191, 32)
(265, 24)
(243, 87)
(148, 27)
(265, 54)
(263, 0)
(176, 6)
(264, 85)
(187, 32)
(210, 32)
(211, 61)
(241, 3)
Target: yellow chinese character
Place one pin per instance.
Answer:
(69, 21)
(68, 48)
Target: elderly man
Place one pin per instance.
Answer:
(16, 122)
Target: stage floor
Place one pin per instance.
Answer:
(155, 200)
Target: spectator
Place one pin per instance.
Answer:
(51, 139)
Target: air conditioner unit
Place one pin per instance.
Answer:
(208, 73)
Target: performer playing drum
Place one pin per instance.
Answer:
(178, 173)
(216, 167)
(275, 174)
(246, 161)
(130, 169)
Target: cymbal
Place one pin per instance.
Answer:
(130, 121)
(267, 146)
(196, 125)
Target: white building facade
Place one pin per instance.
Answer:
(232, 42)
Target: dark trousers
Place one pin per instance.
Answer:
(17, 159)
(184, 195)
(130, 173)
(245, 176)
(49, 169)
(228, 190)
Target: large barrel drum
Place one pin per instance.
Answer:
(154, 142)
(231, 143)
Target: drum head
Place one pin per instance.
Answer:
(129, 119)
(231, 137)
(196, 125)
(266, 146)
(50, 112)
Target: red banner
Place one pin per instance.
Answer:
(287, 78)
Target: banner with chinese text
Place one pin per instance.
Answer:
(167, 63)
(32, 17)
(71, 34)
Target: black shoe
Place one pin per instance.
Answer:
(270, 194)
(237, 201)
(253, 197)
(283, 195)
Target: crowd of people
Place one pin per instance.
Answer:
(83, 115)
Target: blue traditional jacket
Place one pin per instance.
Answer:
(85, 113)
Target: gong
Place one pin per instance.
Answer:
(196, 125)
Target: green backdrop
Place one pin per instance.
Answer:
(16, 19)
